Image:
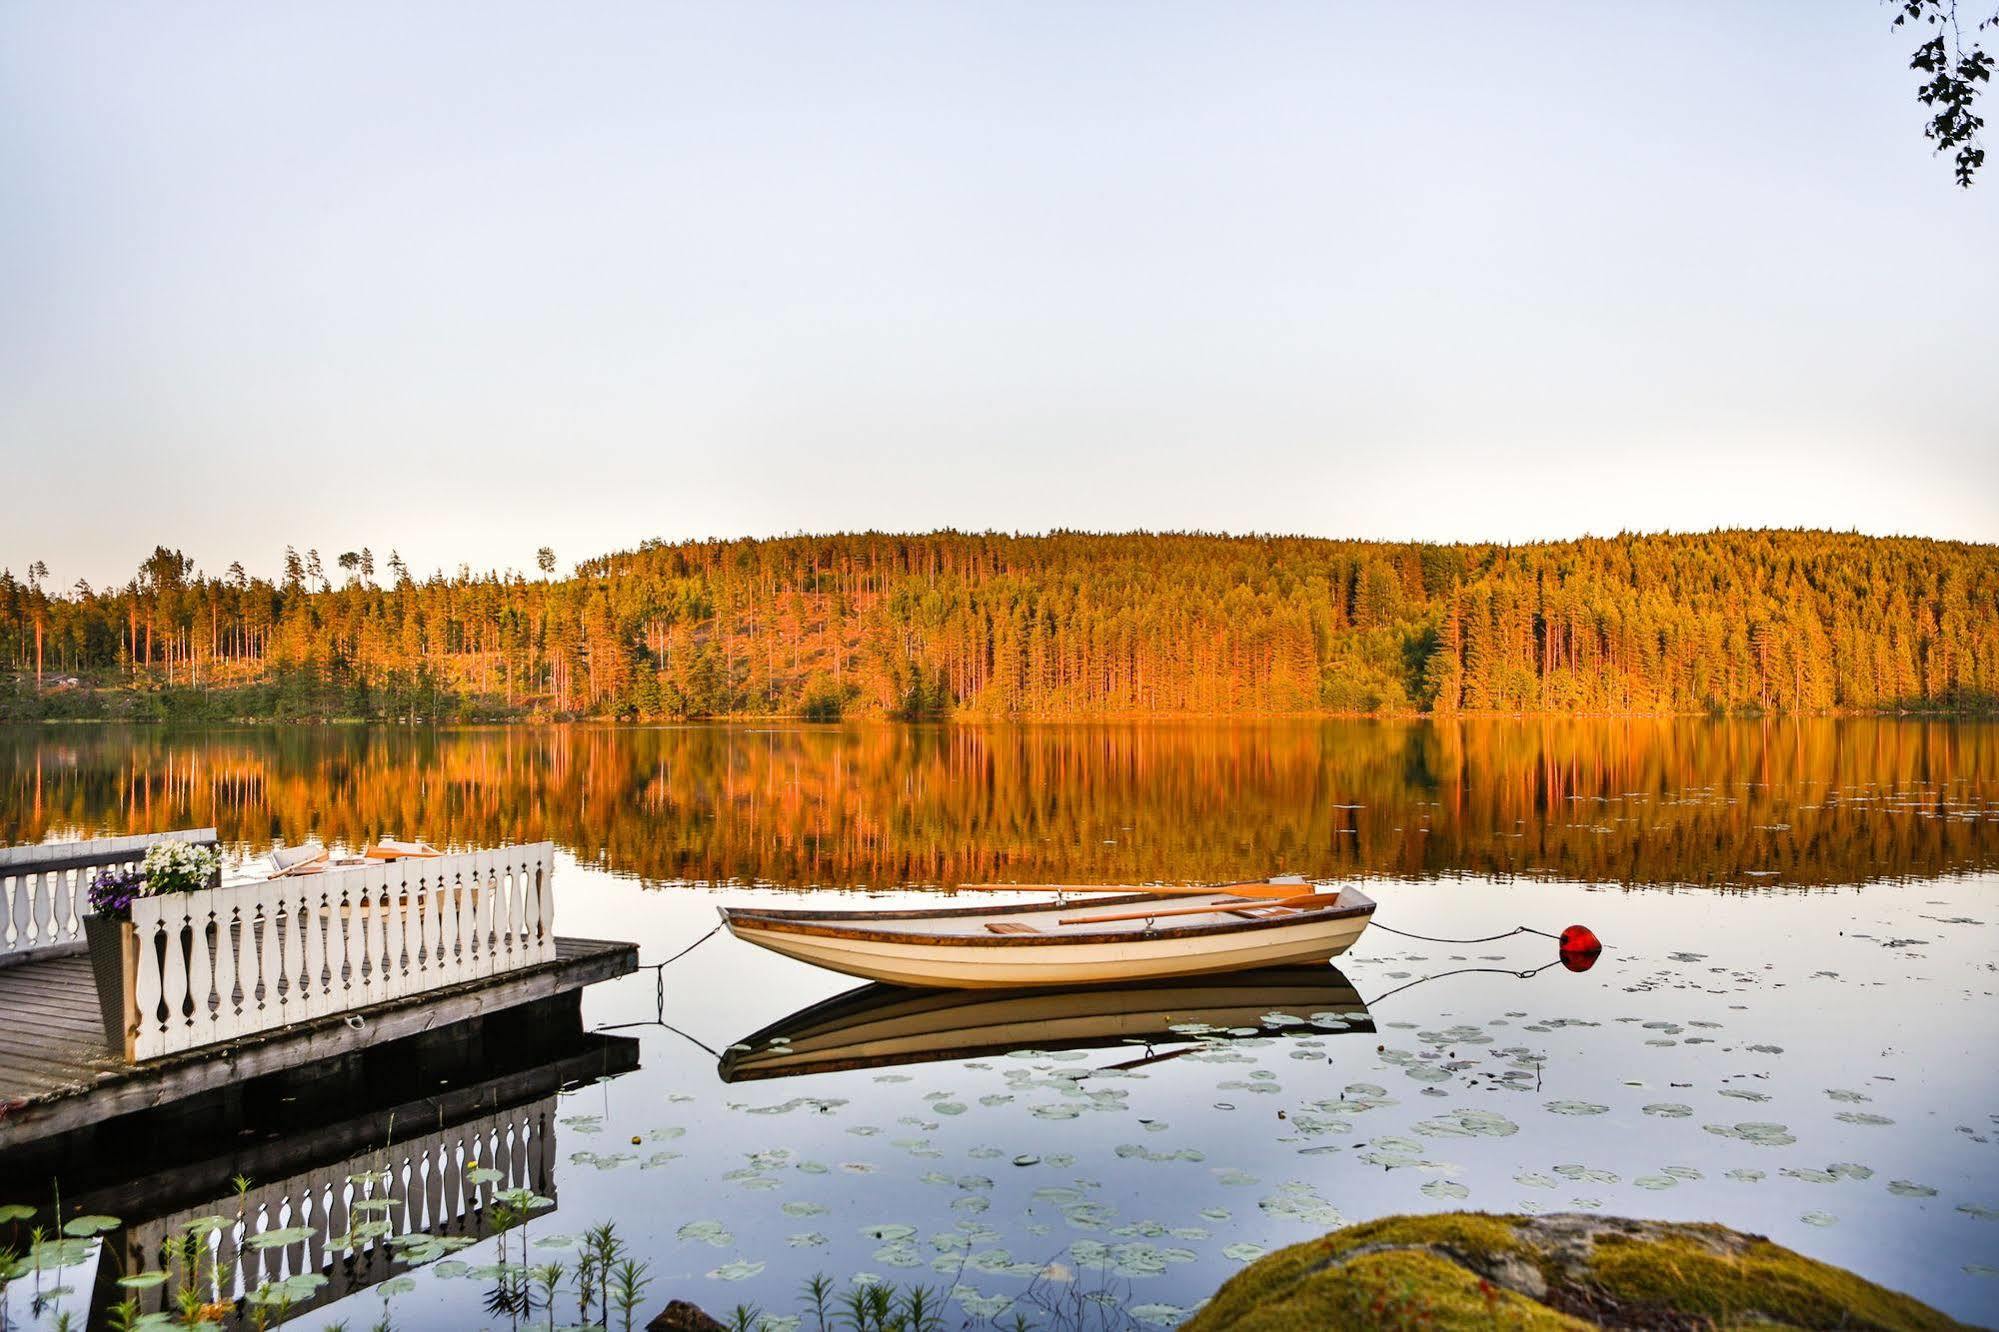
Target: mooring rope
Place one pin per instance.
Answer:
(656, 966)
(658, 970)
(1483, 938)
(1528, 974)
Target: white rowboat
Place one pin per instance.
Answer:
(1133, 937)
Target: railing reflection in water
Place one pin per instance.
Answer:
(353, 1211)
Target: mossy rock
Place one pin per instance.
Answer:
(1568, 1271)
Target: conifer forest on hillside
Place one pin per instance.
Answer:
(1067, 625)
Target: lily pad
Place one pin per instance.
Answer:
(1468, 1123)
(707, 1232)
(292, 1290)
(274, 1239)
(1809, 1175)
(1755, 1132)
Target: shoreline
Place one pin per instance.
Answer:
(1983, 712)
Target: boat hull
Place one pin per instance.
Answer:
(1131, 955)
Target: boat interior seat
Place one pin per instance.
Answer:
(304, 859)
(391, 849)
(1264, 912)
(1010, 927)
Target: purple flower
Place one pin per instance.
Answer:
(112, 891)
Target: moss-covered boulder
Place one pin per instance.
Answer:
(1573, 1270)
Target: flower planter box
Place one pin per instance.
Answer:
(114, 960)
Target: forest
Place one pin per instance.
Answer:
(1067, 625)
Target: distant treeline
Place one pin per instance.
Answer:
(1064, 625)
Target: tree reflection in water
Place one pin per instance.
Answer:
(1646, 801)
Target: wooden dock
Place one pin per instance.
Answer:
(403, 1122)
(297, 1050)
(57, 1072)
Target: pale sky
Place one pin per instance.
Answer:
(467, 279)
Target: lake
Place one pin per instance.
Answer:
(1791, 1030)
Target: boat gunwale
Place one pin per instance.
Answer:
(822, 924)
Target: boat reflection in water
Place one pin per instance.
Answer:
(880, 1026)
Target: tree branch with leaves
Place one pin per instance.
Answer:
(1952, 75)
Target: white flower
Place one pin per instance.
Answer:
(178, 867)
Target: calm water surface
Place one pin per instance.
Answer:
(1792, 1032)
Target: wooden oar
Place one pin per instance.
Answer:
(1308, 899)
(1252, 888)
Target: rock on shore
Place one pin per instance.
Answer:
(1567, 1271)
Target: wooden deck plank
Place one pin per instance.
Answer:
(31, 1028)
(57, 1073)
(76, 1009)
(54, 1069)
(54, 973)
(37, 1030)
(41, 1049)
(62, 998)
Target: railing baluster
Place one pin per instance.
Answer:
(317, 918)
(148, 991)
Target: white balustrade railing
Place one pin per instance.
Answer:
(223, 963)
(413, 1187)
(44, 887)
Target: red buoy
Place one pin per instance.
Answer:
(1579, 947)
